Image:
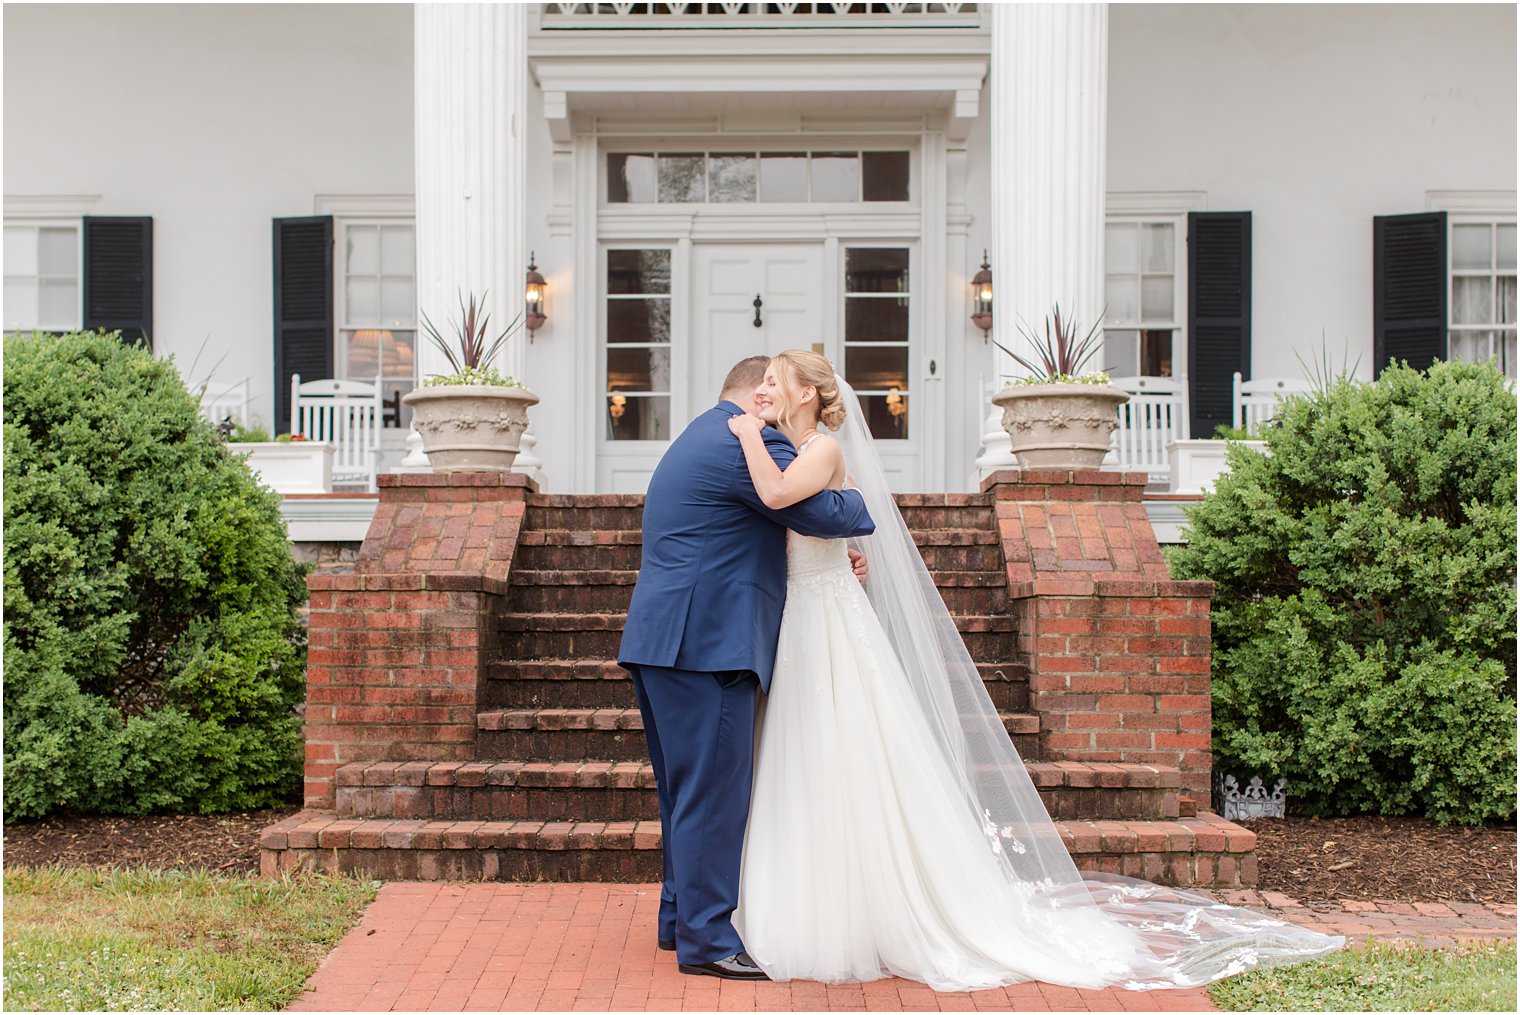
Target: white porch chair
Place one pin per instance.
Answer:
(1154, 416)
(226, 401)
(1256, 401)
(346, 414)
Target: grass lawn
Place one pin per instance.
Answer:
(1378, 977)
(114, 940)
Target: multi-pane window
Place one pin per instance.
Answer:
(876, 330)
(1482, 325)
(638, 345)
(377, 329)
(731, 177)
(1140, 290)
(42, 269)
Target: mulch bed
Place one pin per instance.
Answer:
(1402, 859)
(226, 843)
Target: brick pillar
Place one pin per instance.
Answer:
(1117, 651)
(397, 646)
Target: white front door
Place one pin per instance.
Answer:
(726, 325)
(685, 315)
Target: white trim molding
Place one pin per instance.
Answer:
(1471, 202)
(328, 518)
(1156, 202)
(366, 205)
(49, 206)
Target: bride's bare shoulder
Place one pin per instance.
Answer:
(824, 445)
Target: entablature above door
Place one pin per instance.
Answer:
(798, 91)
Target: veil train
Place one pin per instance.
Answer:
(1176, 938)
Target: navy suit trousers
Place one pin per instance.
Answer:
(701, 732)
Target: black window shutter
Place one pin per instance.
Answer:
(1408, 289)
(303, 306)
(1219, 315)
(118, 276)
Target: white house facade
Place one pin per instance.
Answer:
(271, 190)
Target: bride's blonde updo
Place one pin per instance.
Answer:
(801, 368)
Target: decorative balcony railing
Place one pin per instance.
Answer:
(759, 15)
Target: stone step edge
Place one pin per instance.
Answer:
(623, 719)
(314, 829)
(640, 775)
(580, 669)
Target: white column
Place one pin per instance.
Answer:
(1049, 109)
(471, 87)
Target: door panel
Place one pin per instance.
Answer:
(788, 278)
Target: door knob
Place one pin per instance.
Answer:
(758, 304)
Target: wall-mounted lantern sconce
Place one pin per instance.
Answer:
(981, 297)
(534, 295)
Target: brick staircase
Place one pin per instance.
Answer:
(553, 782)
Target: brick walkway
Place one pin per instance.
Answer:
(559, 947)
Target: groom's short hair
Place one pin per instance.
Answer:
(746, 375)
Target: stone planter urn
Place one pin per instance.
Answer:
(1060, 426)
(470, 427)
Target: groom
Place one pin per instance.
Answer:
(699, 640)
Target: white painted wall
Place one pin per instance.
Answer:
(213, 119)
(1314, 118)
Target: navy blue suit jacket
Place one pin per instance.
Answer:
(712, 580)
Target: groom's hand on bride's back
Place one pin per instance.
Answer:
(859, 565)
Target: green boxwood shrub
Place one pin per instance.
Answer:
(1364, 618)
(153, 649)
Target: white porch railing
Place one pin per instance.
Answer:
(759, 15)
(1154, 416)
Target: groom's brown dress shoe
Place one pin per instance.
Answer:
(666, 946)
(735, 967)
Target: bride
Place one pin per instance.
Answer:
(893, 829)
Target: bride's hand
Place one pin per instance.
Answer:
(745, 421)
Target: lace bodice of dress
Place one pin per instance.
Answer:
(809, 557)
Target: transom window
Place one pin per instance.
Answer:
(43, 264)
(876, 331)
(377, 312)
(1482, 324)
(749, 177)
(1141, 323)
(638, 345)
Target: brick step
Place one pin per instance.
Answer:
(598, 635)
(578, 549)
(522, 683)
(617, 734)
(584, 511)
(967, 549)
(602, 591)
(940, 516)
(626, 511)
(625, 790)
(906, 501)
(1205, 851)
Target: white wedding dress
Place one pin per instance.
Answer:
(871, 851)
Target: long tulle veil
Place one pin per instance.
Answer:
(1173, 938)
